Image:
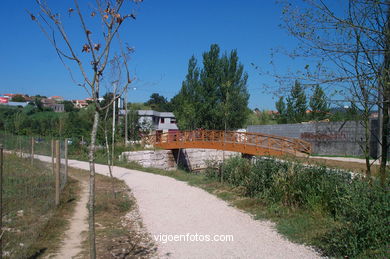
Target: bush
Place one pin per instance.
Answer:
(365, 213)
(360, 210)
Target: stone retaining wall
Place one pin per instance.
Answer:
(191, 158)
(199, 157)
(162, 159)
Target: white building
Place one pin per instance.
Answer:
(158, 121)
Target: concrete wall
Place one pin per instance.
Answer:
(327, 138)
(192, 158)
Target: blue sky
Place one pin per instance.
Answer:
(165, 35)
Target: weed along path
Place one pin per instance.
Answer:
(188, 222)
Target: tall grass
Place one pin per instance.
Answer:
(359, 210)
(28, 202)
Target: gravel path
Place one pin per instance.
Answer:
(345, 159)
(171, 207)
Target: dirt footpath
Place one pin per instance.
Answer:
(71, 245)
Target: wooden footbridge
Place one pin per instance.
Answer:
(247, 143)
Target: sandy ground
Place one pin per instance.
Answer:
(71, 245)
(171, 207)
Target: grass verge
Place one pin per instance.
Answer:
(49, 240)
(32, 223)
(119, 230)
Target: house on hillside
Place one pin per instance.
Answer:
(52, 103)
(158, 121)
(4, 100)
(79, 104)
(10, 97)
(57, 98)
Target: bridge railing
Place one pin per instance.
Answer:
(284, 144)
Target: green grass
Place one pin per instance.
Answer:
(29, 211)
(49, 239)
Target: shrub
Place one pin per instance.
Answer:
(360, 210)
(365, 214)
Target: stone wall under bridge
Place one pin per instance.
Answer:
(189, 158)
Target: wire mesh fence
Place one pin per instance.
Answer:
(30, 189)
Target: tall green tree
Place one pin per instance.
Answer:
(214, 96)
(69, 106)
(296, 104)
(18, 98)
(281, 108)
(300, 103)
(158, 103)
(184, 109)
(318, 104)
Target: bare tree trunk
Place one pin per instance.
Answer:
(110, 164)
(386, 101)
(126, 133)
(366, 148)
(113, 128)
(109, 161)
(91, 202)
(385, 135)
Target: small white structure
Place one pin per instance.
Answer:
(159, 121)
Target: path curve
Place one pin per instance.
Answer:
(172, 207)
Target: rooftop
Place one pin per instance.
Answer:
(156, 113)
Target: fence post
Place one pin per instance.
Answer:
(1, 199)
(52, 157)
(58, 167)
(66, 160)
(32, 150)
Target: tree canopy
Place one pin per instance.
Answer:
(318, 104)
(158, 103)
(18, 98)
(214, 96)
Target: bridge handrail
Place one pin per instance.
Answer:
(286, 144)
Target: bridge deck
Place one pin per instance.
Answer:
(243, 142)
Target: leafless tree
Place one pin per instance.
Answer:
(350, 43)
(100, 24)
(110, 156)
